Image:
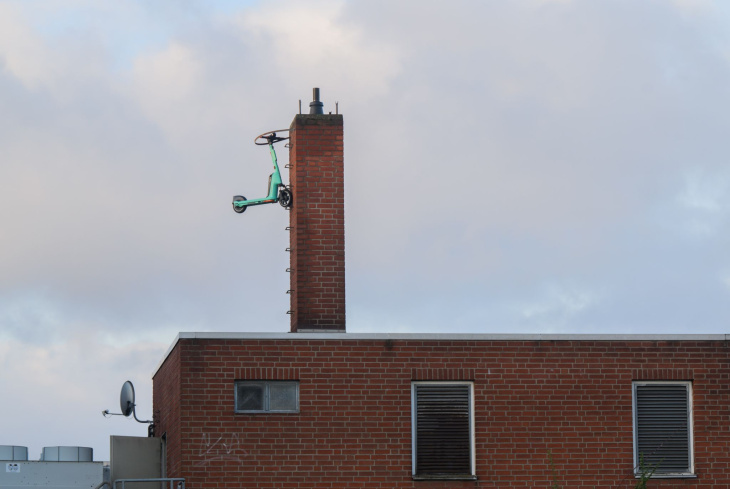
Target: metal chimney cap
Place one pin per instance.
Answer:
(316, 107)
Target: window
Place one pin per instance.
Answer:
(443, 430)
(267, 396)
(663, 428)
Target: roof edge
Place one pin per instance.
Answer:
(437, 337)
(167, 354)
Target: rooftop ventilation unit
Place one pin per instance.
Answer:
(67, 454)
(13, 453)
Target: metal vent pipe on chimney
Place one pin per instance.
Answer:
(315, 106)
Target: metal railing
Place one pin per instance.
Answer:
(180, 482)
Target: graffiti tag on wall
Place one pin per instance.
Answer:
(221, 447)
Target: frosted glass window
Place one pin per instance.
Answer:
(264, 396)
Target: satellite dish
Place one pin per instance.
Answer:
(126, 402)
(126, 399)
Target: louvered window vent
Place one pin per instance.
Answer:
(663, 427)
(443, 421)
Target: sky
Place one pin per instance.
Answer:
(531, 166)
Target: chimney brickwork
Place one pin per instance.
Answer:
(317, 222)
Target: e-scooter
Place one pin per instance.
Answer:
(278, 192)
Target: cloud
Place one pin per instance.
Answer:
(558, 305)
(55, 393)
(23, 55)
(461, 142)
(725, 279)
(706, 200)
(706, 193)
(318, 42)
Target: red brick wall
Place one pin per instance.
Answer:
(569, 398)
(317, 221)
(167, 408)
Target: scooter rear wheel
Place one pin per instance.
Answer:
(239, 198)
(285, 198)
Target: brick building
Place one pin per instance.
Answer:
(321, 408)
(348, 421)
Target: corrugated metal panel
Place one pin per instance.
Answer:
(67, 454)
(12, 452)
(51, 475)
(442, 430)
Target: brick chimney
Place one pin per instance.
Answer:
(317, 221)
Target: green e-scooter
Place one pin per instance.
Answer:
(278, 192)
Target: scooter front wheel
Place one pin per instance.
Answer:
(239, 209)
(285, 198)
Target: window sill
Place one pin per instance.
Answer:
(668, 476)
(455, 477)
(265, 412)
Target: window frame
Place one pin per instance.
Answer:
(690, 428)
(414, 426)
(266, 396)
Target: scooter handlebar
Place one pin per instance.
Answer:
(270, 137)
